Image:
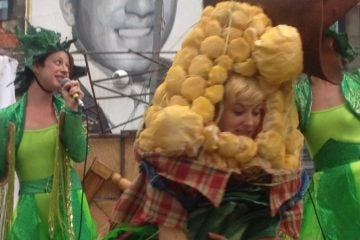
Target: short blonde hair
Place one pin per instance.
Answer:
(243, 89)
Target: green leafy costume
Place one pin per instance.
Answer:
(332, 204)
(50, 191)
(51, 201)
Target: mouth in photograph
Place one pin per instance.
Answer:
(133, 32)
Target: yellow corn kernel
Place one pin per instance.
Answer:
(213, 46)
(211, 137)
(200, 66)
(239, 49)
(194, 38)
(212, 27)
(231, 33)
(240, 19)
(184, 57)
(217, 75)
(250, 35)
(193, 87)
(174, 79)
(224, 61)
(160, 96)
(246, 68)
(215, 93)
(178, 100)
(204, 108)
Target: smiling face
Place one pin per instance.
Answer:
(242, 119)
(52, 70)
(244, 105)
(121, 25)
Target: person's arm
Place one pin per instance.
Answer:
(171, 233)
(73, 134)
(215, 236)
(3, 140)
(74, 137)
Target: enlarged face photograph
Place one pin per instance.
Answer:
(121, 26)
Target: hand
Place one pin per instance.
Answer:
(166, 233)
(69, 91)
(215, 236)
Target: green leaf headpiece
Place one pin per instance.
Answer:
(342, 43)
(37, 42)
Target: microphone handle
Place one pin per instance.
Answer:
(75, 96)
(78, 100)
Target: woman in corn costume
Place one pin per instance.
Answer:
(197, 179)
(330, 121)
(41, 135)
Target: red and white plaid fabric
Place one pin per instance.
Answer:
(141, 203)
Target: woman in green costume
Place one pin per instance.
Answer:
(41, 135)
(330, 122)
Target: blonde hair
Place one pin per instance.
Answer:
(243, 89)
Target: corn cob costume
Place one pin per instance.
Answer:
(51, 204)
(199, 179)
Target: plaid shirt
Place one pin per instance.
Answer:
(142, 203)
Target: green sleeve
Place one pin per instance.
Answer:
(303, 99)
(3, 141)
(74, 137)
(350, 87)
(15, 114)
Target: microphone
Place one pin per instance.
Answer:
(75, 96)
